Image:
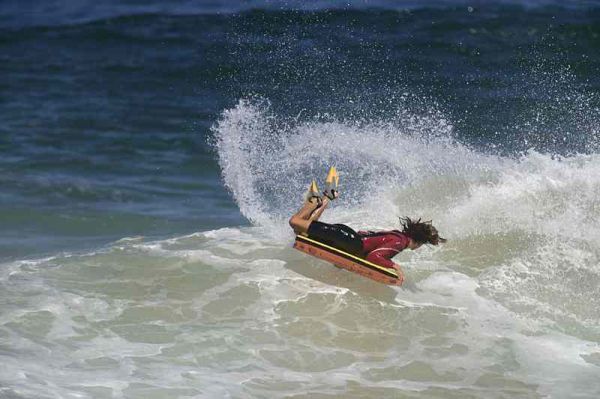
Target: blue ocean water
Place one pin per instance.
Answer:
(107, 106)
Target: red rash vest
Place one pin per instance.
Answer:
(379, 247)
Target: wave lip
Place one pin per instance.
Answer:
(267, 162)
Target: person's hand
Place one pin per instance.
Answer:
(400, 273)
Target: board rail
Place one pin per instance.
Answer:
(347, 261)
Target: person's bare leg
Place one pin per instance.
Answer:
(300, 221)
(316, 213)
(301, 224)
(307, 209)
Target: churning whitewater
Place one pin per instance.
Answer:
(509, 304)
(522, 263)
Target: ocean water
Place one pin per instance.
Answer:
(151, 153)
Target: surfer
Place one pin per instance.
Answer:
(374, 246)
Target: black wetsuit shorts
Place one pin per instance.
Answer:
(339, 236)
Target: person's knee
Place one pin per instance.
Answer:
(299, 225)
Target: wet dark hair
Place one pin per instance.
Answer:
(421, 232)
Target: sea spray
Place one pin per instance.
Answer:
(267, 163)
(526, 225)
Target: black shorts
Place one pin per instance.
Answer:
(339, 236)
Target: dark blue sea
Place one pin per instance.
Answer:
(151, 152)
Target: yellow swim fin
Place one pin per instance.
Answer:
(332, 179)
(313, 192)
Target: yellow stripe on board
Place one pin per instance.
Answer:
(393, 271)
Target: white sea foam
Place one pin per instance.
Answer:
(525, 229)
(508, 307)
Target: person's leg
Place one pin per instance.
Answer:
(301, 219)
(307, 209)
(326, 199)
(316, 213)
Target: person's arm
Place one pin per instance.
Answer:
(400, 273)
(381, 256)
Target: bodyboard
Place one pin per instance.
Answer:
(347, 261)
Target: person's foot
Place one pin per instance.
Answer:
(312, 195)
(316, 201)
(331, 193)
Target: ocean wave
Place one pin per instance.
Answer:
(528, 224)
